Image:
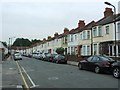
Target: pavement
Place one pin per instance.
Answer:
(10, 74)
(72, 63)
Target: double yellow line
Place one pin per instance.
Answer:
(26, 85)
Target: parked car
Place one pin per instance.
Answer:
(37, 55)
(17, 56)
(44, 56)
(59, 59)
(49, 57)
(97, 64)
(116, 69)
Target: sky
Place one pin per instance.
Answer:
(38, 19)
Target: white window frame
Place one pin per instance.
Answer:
(84, 34)
(71, 39)
(94, 32)
(81, 36)
(118, 26)
(88, 34)
(88, 50)
(100, 31)
(107, 29)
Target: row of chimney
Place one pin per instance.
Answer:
(81, 23)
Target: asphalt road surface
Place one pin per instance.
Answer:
(41, 74)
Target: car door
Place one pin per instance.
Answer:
(93, 62)
(86, 64)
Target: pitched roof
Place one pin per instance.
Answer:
(86, 27)
(107, 20)
(118, 18)
(89, 25)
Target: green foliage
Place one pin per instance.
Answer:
(60, 50)
(22, 42)
(34, 41)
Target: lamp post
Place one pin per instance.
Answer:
(107, 3)
(10, 43)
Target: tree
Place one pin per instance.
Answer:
(60, 50)
(22, 42)
(34, 41)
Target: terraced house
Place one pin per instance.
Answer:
(103, 34)
(85, 40)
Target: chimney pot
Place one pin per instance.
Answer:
(56, 34)
(66, 30)
(108, 12)
(81, 24)
(44, 39)
(49, 37)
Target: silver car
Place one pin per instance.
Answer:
(17, 56)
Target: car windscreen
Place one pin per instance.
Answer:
(62, 57)
(106, 58)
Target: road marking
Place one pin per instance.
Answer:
(30, 79)
(26, 85)
(53, 78)
(19, 86)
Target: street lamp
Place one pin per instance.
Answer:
(107, 3)
(10, 43)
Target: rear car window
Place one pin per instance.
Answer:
(106, 58)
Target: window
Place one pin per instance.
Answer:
(107, 29)
(84, 34)
(71, 38)
(75, 37)
(88, 34)
(90, 59)
(119, 50)
(84, 50)
(68, 50)
(72, 50)
(88, 50)
(99, 31)
(95, 49)
(48, 44)
(81, 36)
(94, 32)
(119, 27)
(95, 58)
(65, 39)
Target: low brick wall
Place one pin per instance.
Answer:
(79, 58)
(117, 58)
(75, 58)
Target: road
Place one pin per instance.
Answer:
(41, 74)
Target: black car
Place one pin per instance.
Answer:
(97, 64)
(116, 69)
(59, 59)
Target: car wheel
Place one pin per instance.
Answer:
(116, 72)
(97, 69)
(80, 66)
